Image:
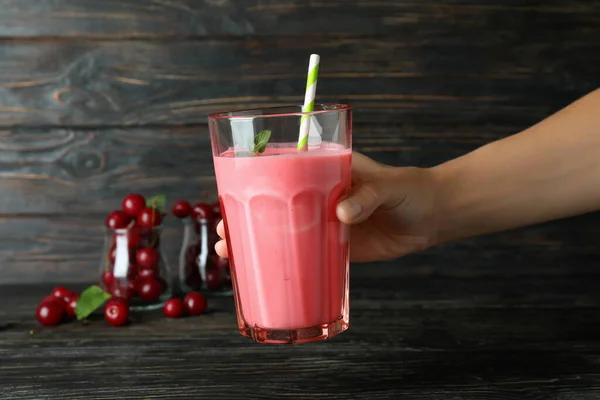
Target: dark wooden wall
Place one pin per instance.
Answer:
(100, 98)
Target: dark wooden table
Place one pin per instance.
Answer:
(412, 337)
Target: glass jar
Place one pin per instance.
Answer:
(134, 267)
(200, 268)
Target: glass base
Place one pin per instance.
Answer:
(142, 306)
(217, 293)
(295, 336)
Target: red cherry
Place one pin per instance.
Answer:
(134, 238)
(133, 204)
(116, 312)
(213, 279)
(124, 291)
(108, 278)
(50, 313)
(221, 263)
(117, 220)
(112, 254)
(148, 218)
(173, 308)
(71, 295)
(216, 208)
(147, 257)
(52, 299)
(181, 209)
(61, 292)
(147, 273)
(194, 303)
(202, 211)
(149, 289)
(71, 304)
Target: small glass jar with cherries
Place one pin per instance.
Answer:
(200, 268)
(133, 267)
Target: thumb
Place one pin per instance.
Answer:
(361, 203)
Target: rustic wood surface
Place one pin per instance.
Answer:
(101, 98)
(525, 337)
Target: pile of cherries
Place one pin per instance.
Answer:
(143, 279)
(138, 220)
(218, 275)
(60, 306)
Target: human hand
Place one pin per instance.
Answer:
(390, 211)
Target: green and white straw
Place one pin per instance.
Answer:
(309, 101)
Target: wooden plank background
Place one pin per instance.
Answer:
(100, 98)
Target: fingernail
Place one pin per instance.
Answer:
(351, 208)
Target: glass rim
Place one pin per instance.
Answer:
(331, 107)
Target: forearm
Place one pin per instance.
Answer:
(549, 171)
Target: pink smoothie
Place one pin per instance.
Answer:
(289, 252)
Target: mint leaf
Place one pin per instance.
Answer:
(261, 140)
(157, 202)
(91, 298)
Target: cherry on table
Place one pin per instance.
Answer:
(181, 209)
(195, 303)
(202, 211)
(133, 204)
(173, 308)
(146, 257)
(117, 220)
(116, 312)
(71, 305)
(61, 292)
(71, 295)
(148, 218)
(149, 289)
(50, 313)
(52, 299)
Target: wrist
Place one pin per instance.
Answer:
(439, 224)
(452, 202)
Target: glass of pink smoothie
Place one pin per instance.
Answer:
(288, 251)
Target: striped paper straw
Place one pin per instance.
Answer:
(309, 101)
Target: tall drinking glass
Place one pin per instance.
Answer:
(288, 251)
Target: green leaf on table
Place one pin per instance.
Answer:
(90, 300)
(261, 140)
(158, 202)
